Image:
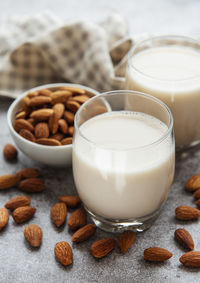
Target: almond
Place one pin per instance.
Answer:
(8, 181)
(69, 117)
(102, 247)
(59, 108)
(18, 202)
(22, 124)
(53, 123)
(23, 214)
(196, 194)
(27, 173)
(84, 233)
(156, 254)
(193, 183)
(187, 213)
(45, 92)
(50, 142)
(63, 126)
(41, 114)
(25, 104)
(77, 219)
(71, 131)
(71, 201)
(57, 136)
(63, 253)
(41, 130)
(79, 98)
(26, 134)
(73, 105)
(10, 152)
(32, 185)
(33, 235)
(184, 238)
(58, 213)
(39, 101)
(191, 259)
(32, 94)
(60, 96)
(4, 218)
(75, 90)
(197, 203)
(66, 141)
(125, 241)
(21, 115)
(32, 121)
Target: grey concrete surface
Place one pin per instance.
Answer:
(20, 263)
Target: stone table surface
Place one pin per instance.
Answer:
(20, 263)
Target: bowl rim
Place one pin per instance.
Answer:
(18, 99)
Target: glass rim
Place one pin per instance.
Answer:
(122, 92)
(131, 54)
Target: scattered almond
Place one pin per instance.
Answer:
(23, 214)
(196, 194)
(9, 181)
(27, 173)
(26, 134)
(4, 218)
(191, 259)
(63, 253)
(32, 185)
(184, 238)
(33, 235)
(102, 247)
(193, 183)
(77, 219)
(18, 202)
(157, 254)
(71, 201)
(10, 152)
(197, 203)
(187, 213)
(125, 241)
(84, 233)
(41, 130)
(58, 213)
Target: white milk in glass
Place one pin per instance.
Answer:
(171, 74)
(123, 173)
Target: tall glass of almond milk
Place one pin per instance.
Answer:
(168, 67)
(123, 159)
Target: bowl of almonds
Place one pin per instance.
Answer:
(41, 121)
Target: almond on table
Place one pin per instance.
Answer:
(33, 235)
(184, 238)
(187, 213)
(125, 241)
(32, 185)
(9, 181)
(83, 233)
(193, 183)
(191, 259)
(77, 219)
(63, 253)
(157, 254)
(23, 214)
(4, 218)
(28, 173)
(58, 213)
(102, 247)
(10, 152)
(18, 202)
(71, 201)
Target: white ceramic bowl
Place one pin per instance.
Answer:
(50, 155)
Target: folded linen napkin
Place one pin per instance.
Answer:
(42, 49)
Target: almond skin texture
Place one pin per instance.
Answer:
(63, 253)
(58, 213)
(27, 173)
(83, 233)
(63, 126)
(22, 124)
(71, 201)
(125, 241)
(102, 247)
(66, 141)
(33, 235)
(10, 152)
(77, 219)
(156, 254)
(184, 238)
(197, 203)
(23, 214)
(73, 106)
(9, 181)
(39, 101)
(41, 130)
(41, 114)
(59, 109)
(45, 92)
(191, 259)
(69, 117)
(187, 213)
(32, 185)
(196, 194)
(4, 218)
(18, 202)
(26, 134)
(193, 183)
(21, 115)
(53, 123)
(50, 142)
(60, 96)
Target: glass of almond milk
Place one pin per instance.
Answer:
(168, 67)
(123, 159)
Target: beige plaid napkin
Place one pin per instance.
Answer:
(41, 49)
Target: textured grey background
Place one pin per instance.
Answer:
(18, 262)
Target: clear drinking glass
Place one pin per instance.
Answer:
(123, 186)
(168, 67)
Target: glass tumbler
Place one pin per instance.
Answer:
(122, 171)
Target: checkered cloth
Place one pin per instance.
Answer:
(41, 49)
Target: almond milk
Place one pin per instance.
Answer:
(123, 173)
(171, 74)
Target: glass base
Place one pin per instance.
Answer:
(118, 226)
